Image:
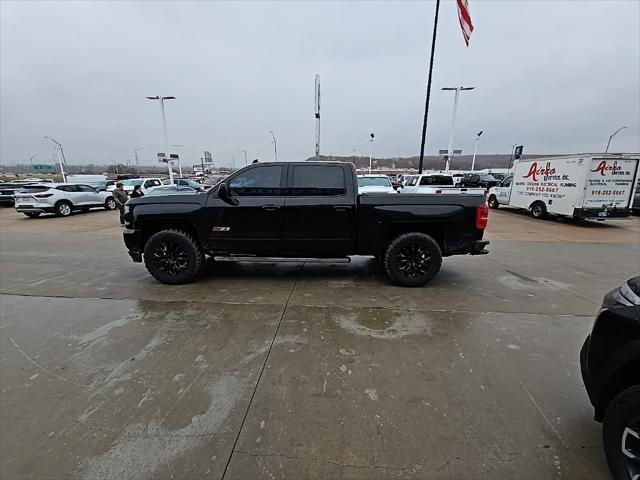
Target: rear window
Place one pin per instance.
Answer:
(34, 188)
(436, 180)
(374, 182)
(318, 180)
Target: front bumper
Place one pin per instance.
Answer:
(589, 383)
(478, 247)
(132, 241)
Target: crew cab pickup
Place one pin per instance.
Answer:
(304, 211)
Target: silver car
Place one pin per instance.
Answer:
(61, 199)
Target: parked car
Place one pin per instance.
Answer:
(171, 190)
(147, 184)
(184, 182)
(438, 184)
(479, 180)
(610, 364)
(61, 199)
(375, 184)
(635, 205)
(304, 210)
(7, 192)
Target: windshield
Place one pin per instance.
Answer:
(374, 182)
(132, 183)
(487, 178)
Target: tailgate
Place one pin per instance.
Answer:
(610, 183)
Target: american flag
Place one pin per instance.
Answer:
(465, 20)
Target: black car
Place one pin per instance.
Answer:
(479, 180)
(7, 192)
(610, 364)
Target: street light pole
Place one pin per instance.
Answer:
(60, 160)
(475, 150)
(317, 112)
(31, 160)
(370, 150)
(137, 159)
(275, 146)
(245, 158)
(164, 129)
(453, 121)
(179, 159)
(611, 136)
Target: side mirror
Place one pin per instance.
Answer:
(225, 194)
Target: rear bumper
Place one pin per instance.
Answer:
(132, 242)
(478, 247)
(35, 209)
(601, 212)
(7, 200)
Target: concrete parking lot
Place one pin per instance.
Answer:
(301, 371)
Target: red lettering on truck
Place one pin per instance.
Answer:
(604, 167)
(534, 171)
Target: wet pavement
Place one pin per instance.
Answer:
(301, 371)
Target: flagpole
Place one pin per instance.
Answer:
(426, 105)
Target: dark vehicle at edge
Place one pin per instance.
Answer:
(7, 192)
(610, 364)
(479, 180)
(304, 211)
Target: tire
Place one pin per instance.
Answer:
(412, 259)
(32, 214)
(493, 202)
(173, 257)
(63, 208)
(622, 424)
(538, 210)
(110, 204)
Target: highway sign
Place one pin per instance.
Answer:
(44, 168)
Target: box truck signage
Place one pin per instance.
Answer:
(543, 180)
(610, 183)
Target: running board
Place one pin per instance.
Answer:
(237, 258)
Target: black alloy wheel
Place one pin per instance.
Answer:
(173, 257)
(412, 259)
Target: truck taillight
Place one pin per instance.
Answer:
(482, 216)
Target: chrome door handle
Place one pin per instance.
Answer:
(271, 208)
(342, 208)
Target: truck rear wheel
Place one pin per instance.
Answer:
(493, 202)
(621, 434)
(173, 257)
(412, 259)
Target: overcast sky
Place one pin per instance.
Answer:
(556, 76)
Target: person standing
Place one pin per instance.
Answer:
(137, 192)
(120, 196)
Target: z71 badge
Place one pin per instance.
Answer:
(220, 229)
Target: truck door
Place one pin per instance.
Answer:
(320, 211)
(254, 225)
(503, 191)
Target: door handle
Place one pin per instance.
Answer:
(271, 208)
(342, 208)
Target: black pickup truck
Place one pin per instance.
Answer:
(302, 211)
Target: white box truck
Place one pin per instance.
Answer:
(596, 186)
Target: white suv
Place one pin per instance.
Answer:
(61, 199)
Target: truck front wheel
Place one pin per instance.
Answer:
(173, 257)
(412, 259)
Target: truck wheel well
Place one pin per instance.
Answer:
(434, 231)
(626, 377)
(154, 227)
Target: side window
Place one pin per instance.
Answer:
(426, 180)
(318, 180)
(506, 182)
(259, 181)
(86, 188)
(412, 182)
(444, 180)
(69, 188)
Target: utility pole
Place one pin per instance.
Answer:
(453, 121)
(475, 150)
(31, 160)
(135, 152)
(164, 129)
(370, 150)
(275, 146)
(317, 112)
(611, 136)
(62, 160)
(179, 159)
(245, 158)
